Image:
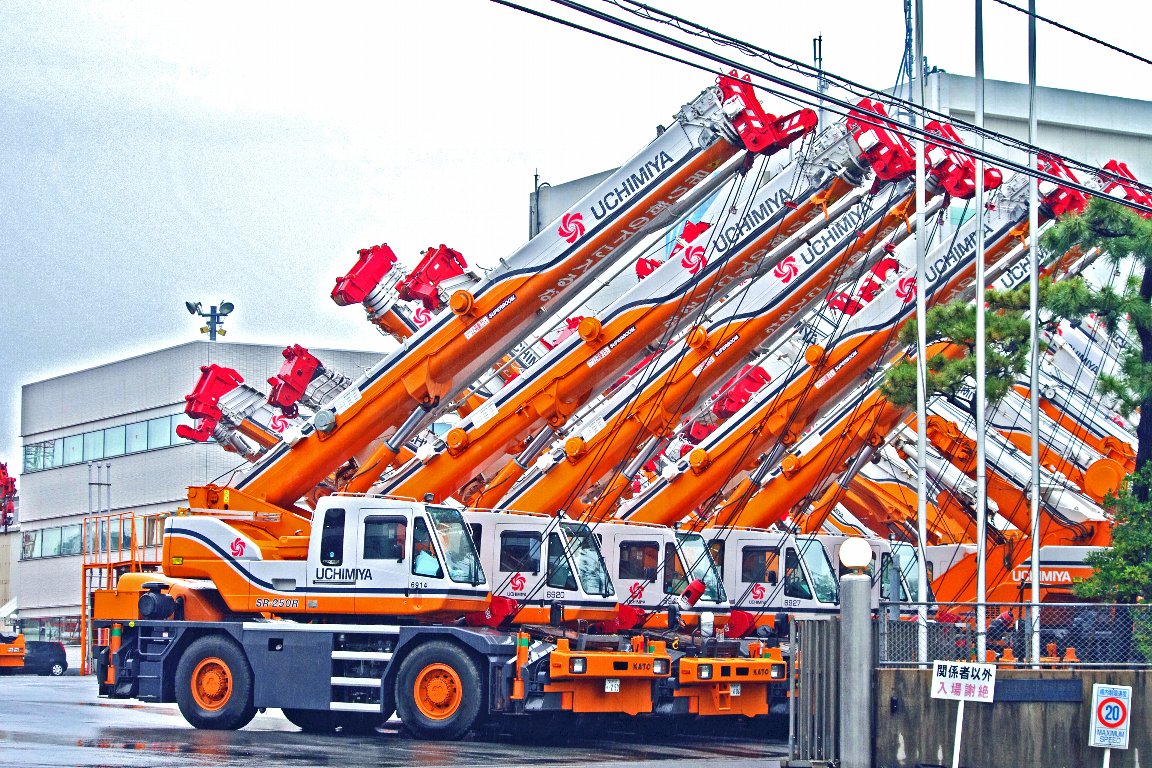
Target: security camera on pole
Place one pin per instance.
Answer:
(215, 317)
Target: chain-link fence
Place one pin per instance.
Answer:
(1070, 634)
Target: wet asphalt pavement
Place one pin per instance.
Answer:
(61, 722)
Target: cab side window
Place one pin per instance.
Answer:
(560, 573)
(795, 582)
(520, 551)
(759, 564)
(638, 560)
(424, 559)
(332, 538)
(384, 537)
(674, 581)
(716, 549)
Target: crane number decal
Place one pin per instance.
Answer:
(237, 547)
(571, 227)
(517, 582)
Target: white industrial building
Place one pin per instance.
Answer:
(121, 416)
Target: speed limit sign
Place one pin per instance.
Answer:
(1111, 709)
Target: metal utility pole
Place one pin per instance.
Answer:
(921, 350)
(981, 359)
(821, 81)
(1034, 350)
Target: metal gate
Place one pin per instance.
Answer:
(813, 690)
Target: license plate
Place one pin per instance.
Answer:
(734, 689)
(612, 685)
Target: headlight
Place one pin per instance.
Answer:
(704, 671)
(577, 665)
(660, 666)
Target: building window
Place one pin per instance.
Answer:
(114, 441)
(50, 542)
(65, 629)
(30, 546)
(137, 437)
(94, 445)
(73, 449)
(159, 432)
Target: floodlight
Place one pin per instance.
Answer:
(192, 308)
(226, 307)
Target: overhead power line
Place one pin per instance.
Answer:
(851, 86)
(1076, 32)
(811, 97)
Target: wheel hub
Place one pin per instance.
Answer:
(211, 684)
(438, 691)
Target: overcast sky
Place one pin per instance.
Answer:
(154, 153)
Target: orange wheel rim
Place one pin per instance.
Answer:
(438, 691)
(211, 684)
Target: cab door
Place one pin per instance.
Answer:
(383, 552)
(519, 562)
(331, 580)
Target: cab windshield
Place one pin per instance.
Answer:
(589, 562)
(460, 557)
(823, 577)
(698, 563)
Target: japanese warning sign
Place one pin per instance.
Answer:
(963, 681)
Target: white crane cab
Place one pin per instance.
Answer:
(551, 568)
(365, 555)
(766, 572)
(884, 554)
(653, 566)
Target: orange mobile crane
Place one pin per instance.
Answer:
(340, 614)
(631, 422)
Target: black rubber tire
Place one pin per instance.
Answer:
(237, 711)
(322, 721)
(467, 714)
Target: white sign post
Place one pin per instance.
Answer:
(1111, 716)
(963, 681)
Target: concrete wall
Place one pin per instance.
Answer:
(912, 728)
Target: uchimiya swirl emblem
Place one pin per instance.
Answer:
(693, 259)
(906, 289)
(571, 227)
(786, 270)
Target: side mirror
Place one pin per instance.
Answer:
(773, 578)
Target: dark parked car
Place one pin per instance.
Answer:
(44, 657)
